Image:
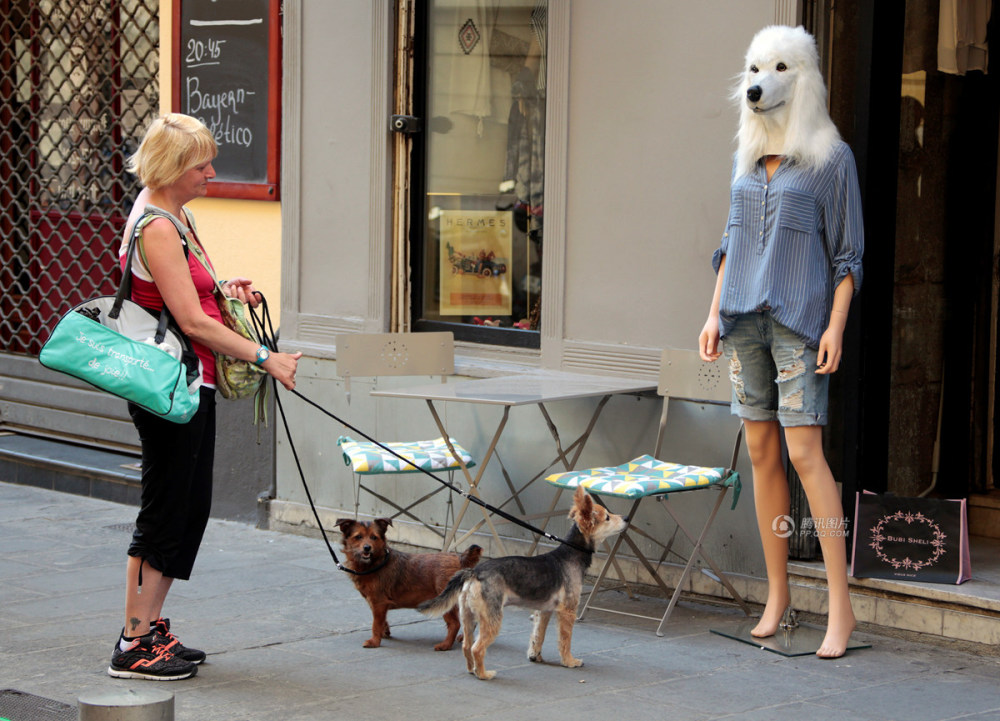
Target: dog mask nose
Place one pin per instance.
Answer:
(754, 93)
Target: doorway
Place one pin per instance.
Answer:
(919, 394)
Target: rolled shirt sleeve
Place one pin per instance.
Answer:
(845, 236)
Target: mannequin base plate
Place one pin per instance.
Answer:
(801, 640)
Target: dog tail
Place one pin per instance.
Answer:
(470, 556)
(447, 599)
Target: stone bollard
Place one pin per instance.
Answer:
(126, 705)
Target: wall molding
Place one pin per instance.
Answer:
(556, 163)
(601, 358)
(378, 206)
(291, 166)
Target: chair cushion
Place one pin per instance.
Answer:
(365, 457)
(646, 476)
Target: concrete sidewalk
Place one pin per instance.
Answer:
(284, 628)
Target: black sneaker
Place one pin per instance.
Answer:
(162, 629)
(149, 658)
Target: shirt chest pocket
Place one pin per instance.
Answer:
(797, 212)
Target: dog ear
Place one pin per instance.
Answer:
(383, 524)
(582, 512)
(344, 524)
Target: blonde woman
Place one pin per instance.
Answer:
(174, 164)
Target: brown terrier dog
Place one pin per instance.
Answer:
(395, 579)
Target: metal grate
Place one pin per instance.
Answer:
(20, 706)
(78, 86)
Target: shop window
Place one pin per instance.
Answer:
(479, 182)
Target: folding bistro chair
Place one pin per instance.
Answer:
(683, 377)
(399, 354)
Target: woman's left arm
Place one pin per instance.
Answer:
(831, 345)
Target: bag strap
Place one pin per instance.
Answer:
(202, 257)
(125, 287)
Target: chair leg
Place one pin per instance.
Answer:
(449, 512)
(545, 520)
(672, 593)
(608, 562)
(696, 551)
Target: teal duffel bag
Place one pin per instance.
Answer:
(120, 347)
(133, 355)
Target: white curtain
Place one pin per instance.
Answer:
(962, 42)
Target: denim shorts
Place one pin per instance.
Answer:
(773, 373)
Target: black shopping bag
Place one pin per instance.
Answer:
(911, 539)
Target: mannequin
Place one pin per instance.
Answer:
(786, 277)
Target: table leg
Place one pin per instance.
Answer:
(576, 447)
(473, 482)
(579, 444)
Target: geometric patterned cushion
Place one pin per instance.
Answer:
(366, 458)
(646, 476)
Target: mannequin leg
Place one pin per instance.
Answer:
(805, 450)
(771, 501)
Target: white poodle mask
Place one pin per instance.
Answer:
(782, 101)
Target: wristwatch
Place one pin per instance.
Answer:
(262, 355)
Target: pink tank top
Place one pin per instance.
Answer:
(148, 295)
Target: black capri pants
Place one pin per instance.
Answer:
(177, 463)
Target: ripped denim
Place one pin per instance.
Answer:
(773, 373)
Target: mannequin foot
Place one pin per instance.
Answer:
(774, 610)
(838, 633)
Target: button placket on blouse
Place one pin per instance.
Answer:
(761, 240)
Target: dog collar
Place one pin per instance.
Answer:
(379, 567)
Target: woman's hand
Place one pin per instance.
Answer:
(241, 289)
(282, 367)
(708, 340)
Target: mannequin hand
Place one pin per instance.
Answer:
(830, 350)
(708, 340)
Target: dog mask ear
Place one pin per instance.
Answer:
(382, 524)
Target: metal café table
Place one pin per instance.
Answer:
(519, 390)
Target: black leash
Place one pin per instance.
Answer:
(269, 339)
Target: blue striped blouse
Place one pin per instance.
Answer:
(789, 242)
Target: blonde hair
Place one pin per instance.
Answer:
(173, 144)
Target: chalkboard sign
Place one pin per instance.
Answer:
(227, 73)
